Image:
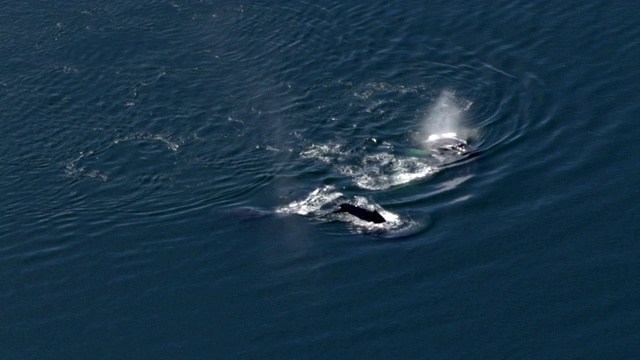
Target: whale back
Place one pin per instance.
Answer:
(361, 213)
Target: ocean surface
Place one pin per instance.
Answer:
(169, 172)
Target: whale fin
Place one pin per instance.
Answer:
(364, 214)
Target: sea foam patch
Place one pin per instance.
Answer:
(385, 170)
(317, 200)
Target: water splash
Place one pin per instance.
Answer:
(445, 116)
(442, 139)
(443, 134)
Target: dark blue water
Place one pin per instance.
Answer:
(169, 169)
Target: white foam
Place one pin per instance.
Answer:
(73, 170)
(323, 152)
(171, 145)
(313, 203)
(382, 171)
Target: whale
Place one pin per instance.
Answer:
(446, 144)
(361, 213)
(446, 148)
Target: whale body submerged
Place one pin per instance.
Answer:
(361, 213)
